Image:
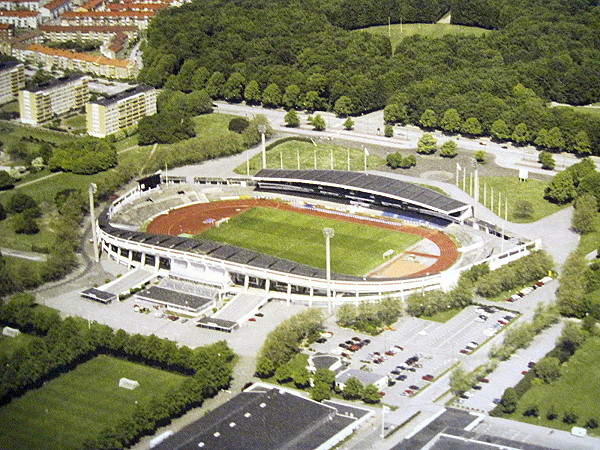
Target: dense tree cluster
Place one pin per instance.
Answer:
(286, 339)
(85, 156)
(431, 302)
(578, 179)
(498, 84)
(579, 292)
(66, 343)
(369, 317)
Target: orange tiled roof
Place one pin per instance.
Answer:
(136, 6)
(55, 4)
(92, 4)
(6, 26)
(87, 29)
(19, 13)
(140, 14)
(101, 60)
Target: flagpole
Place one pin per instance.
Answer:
(281, 160)
(298, 159)
(331, 157)
(465, 179)
(348, 159)
(315, 154)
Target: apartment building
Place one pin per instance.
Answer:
(58, 33)
(140, 19)
(21, 19)
(20, 5)
(12, 79)
(7, 31)
(55, 8)
(46, 101)
(121, 111)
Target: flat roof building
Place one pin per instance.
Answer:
(119, 112)
(12, 79)
(43, 102)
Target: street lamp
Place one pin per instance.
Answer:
(92, 190)
(262, 129)
(328, 233)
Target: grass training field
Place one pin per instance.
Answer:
(305, 155)
(577, 390)
(514, 190)
(355, 249)
(76, 406)
(397, 32)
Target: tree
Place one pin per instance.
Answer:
(479, 156)
(472, 127)
(283, 374)
(561, 188)
(265, 367)
(349, 124)
(500, 131)
(451, 121)
(428, 119)
(346, 314)
(521, 135)
(555, 140)
(199, 102)
(312, 101)
(508, 402)
(320, 391)
(388, 130)
(582, 146)
(292, 119)
(584, 215)
(523, 209)
(371, 394)
(427, 144)
(569, 417)
(20, 202)
(271, 97)
(547, 160)
(214, 85)
(395, 113)
(24, 223)
(590, 184)
(317, 122)
(449, 149)
(541, 138)
(460, 380)
(6, 181)
(548, 369)
(199, 78)
(353, 389)
(252, 93)
(233, 90)
(343, 106)
(84, 156)
(291, 96)
(238, 124)
(165, 128)
(301, 377)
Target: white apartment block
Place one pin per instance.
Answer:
(44, 102)
(21, 19)
(12, 79)
(110, 115)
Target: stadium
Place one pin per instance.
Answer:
(192, 230)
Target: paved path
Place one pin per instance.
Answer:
(33, 256)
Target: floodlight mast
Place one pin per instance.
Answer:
(262, 129)
(328, 233)
(92, 190)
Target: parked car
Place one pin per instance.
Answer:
(252, 319)
(321, 340)
(465, 351)
(414, 387)
(502, 321)
(483, 380)
(525, 372)
(401, 377)
(259, 314)
(390, 353)
(409, 391)
(477, 387)
(531, 364)
(395, 371)
(427, 377)
(398, 347)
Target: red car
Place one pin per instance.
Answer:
(465, 351)
(525, 372)
(252, 319)
(427, 377)
(409, 391)
(389, 353)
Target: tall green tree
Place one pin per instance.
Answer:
(199, 78)
(395, 113)
(6, 181)
(353, 389)
(343, 106)
(428, 119)
(233, 89)
(451, 121)
(449, 149)
(252, 93)
(547, 160)
(582, 146)
(317, 122)
(584, 214)
(500, 130)
(214, 85)
(292, 96)
(555, 140)
(292, 119)
(508, 402)
(561, 189)
(271, 96)
(371, 394)
(521, 135)
(541, 139)
(471, 127)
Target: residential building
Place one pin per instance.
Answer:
(116, 46)
(55, 8)
(59, 33)
(140, 19)
(20, 5)
(12, 79)
(81, 62)
(7, 31)
(43, 102)
(21, 19)
(110, 115)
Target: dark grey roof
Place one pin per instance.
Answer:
(122, 95)
(173, 297)
(55, 83)
(377, 184)
(97, 294)
(324, 361)
(269, 419)
(221, 324)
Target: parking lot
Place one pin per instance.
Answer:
(417, 348)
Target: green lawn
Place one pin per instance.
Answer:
(302, 155)
(212, 124)
(9, 345)
(398, 32)
(512, 189)
(578, 389)
(591, 241)
(76, 122)
(443, 316)
(355, 249)
(79, 404)
(10, 107)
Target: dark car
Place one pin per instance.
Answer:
(401, 377)
(531, 364)
(395, 372)
(366, 341)
(343, 345)
(321, 340)
(349, 342)
(356, 338)
(477, 387)
(414, 387)
(483, 380)
(259, 315)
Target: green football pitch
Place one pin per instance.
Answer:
(355, 249)
(78, 405)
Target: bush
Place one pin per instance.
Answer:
(238, 124)
(20, 202)
(6, 181)
(547, 160)
(398, 160)
(388, 130)
(25, 223)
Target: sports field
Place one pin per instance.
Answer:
(355, 249)
(77, 405)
